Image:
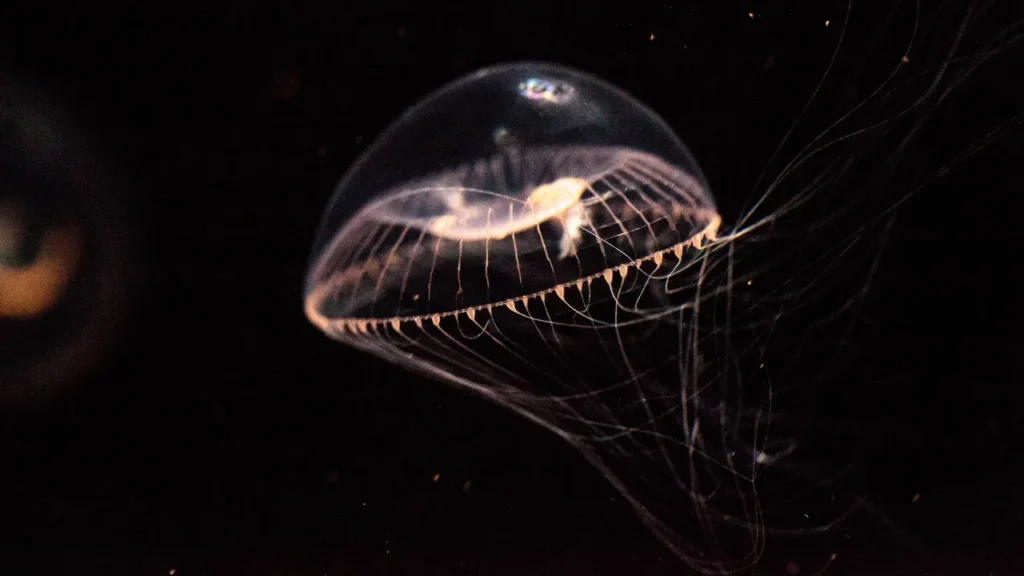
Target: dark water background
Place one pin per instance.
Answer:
(222, 434)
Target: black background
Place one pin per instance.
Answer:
(221, 434)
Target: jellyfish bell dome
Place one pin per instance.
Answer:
(514, 182)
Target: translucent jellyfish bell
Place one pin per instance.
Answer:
(515, 182)
(535, 234)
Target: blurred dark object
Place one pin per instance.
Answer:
(64, 249)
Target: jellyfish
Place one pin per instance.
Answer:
(540, 237)
(536, 235)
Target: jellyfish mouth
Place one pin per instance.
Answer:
(466, 241)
